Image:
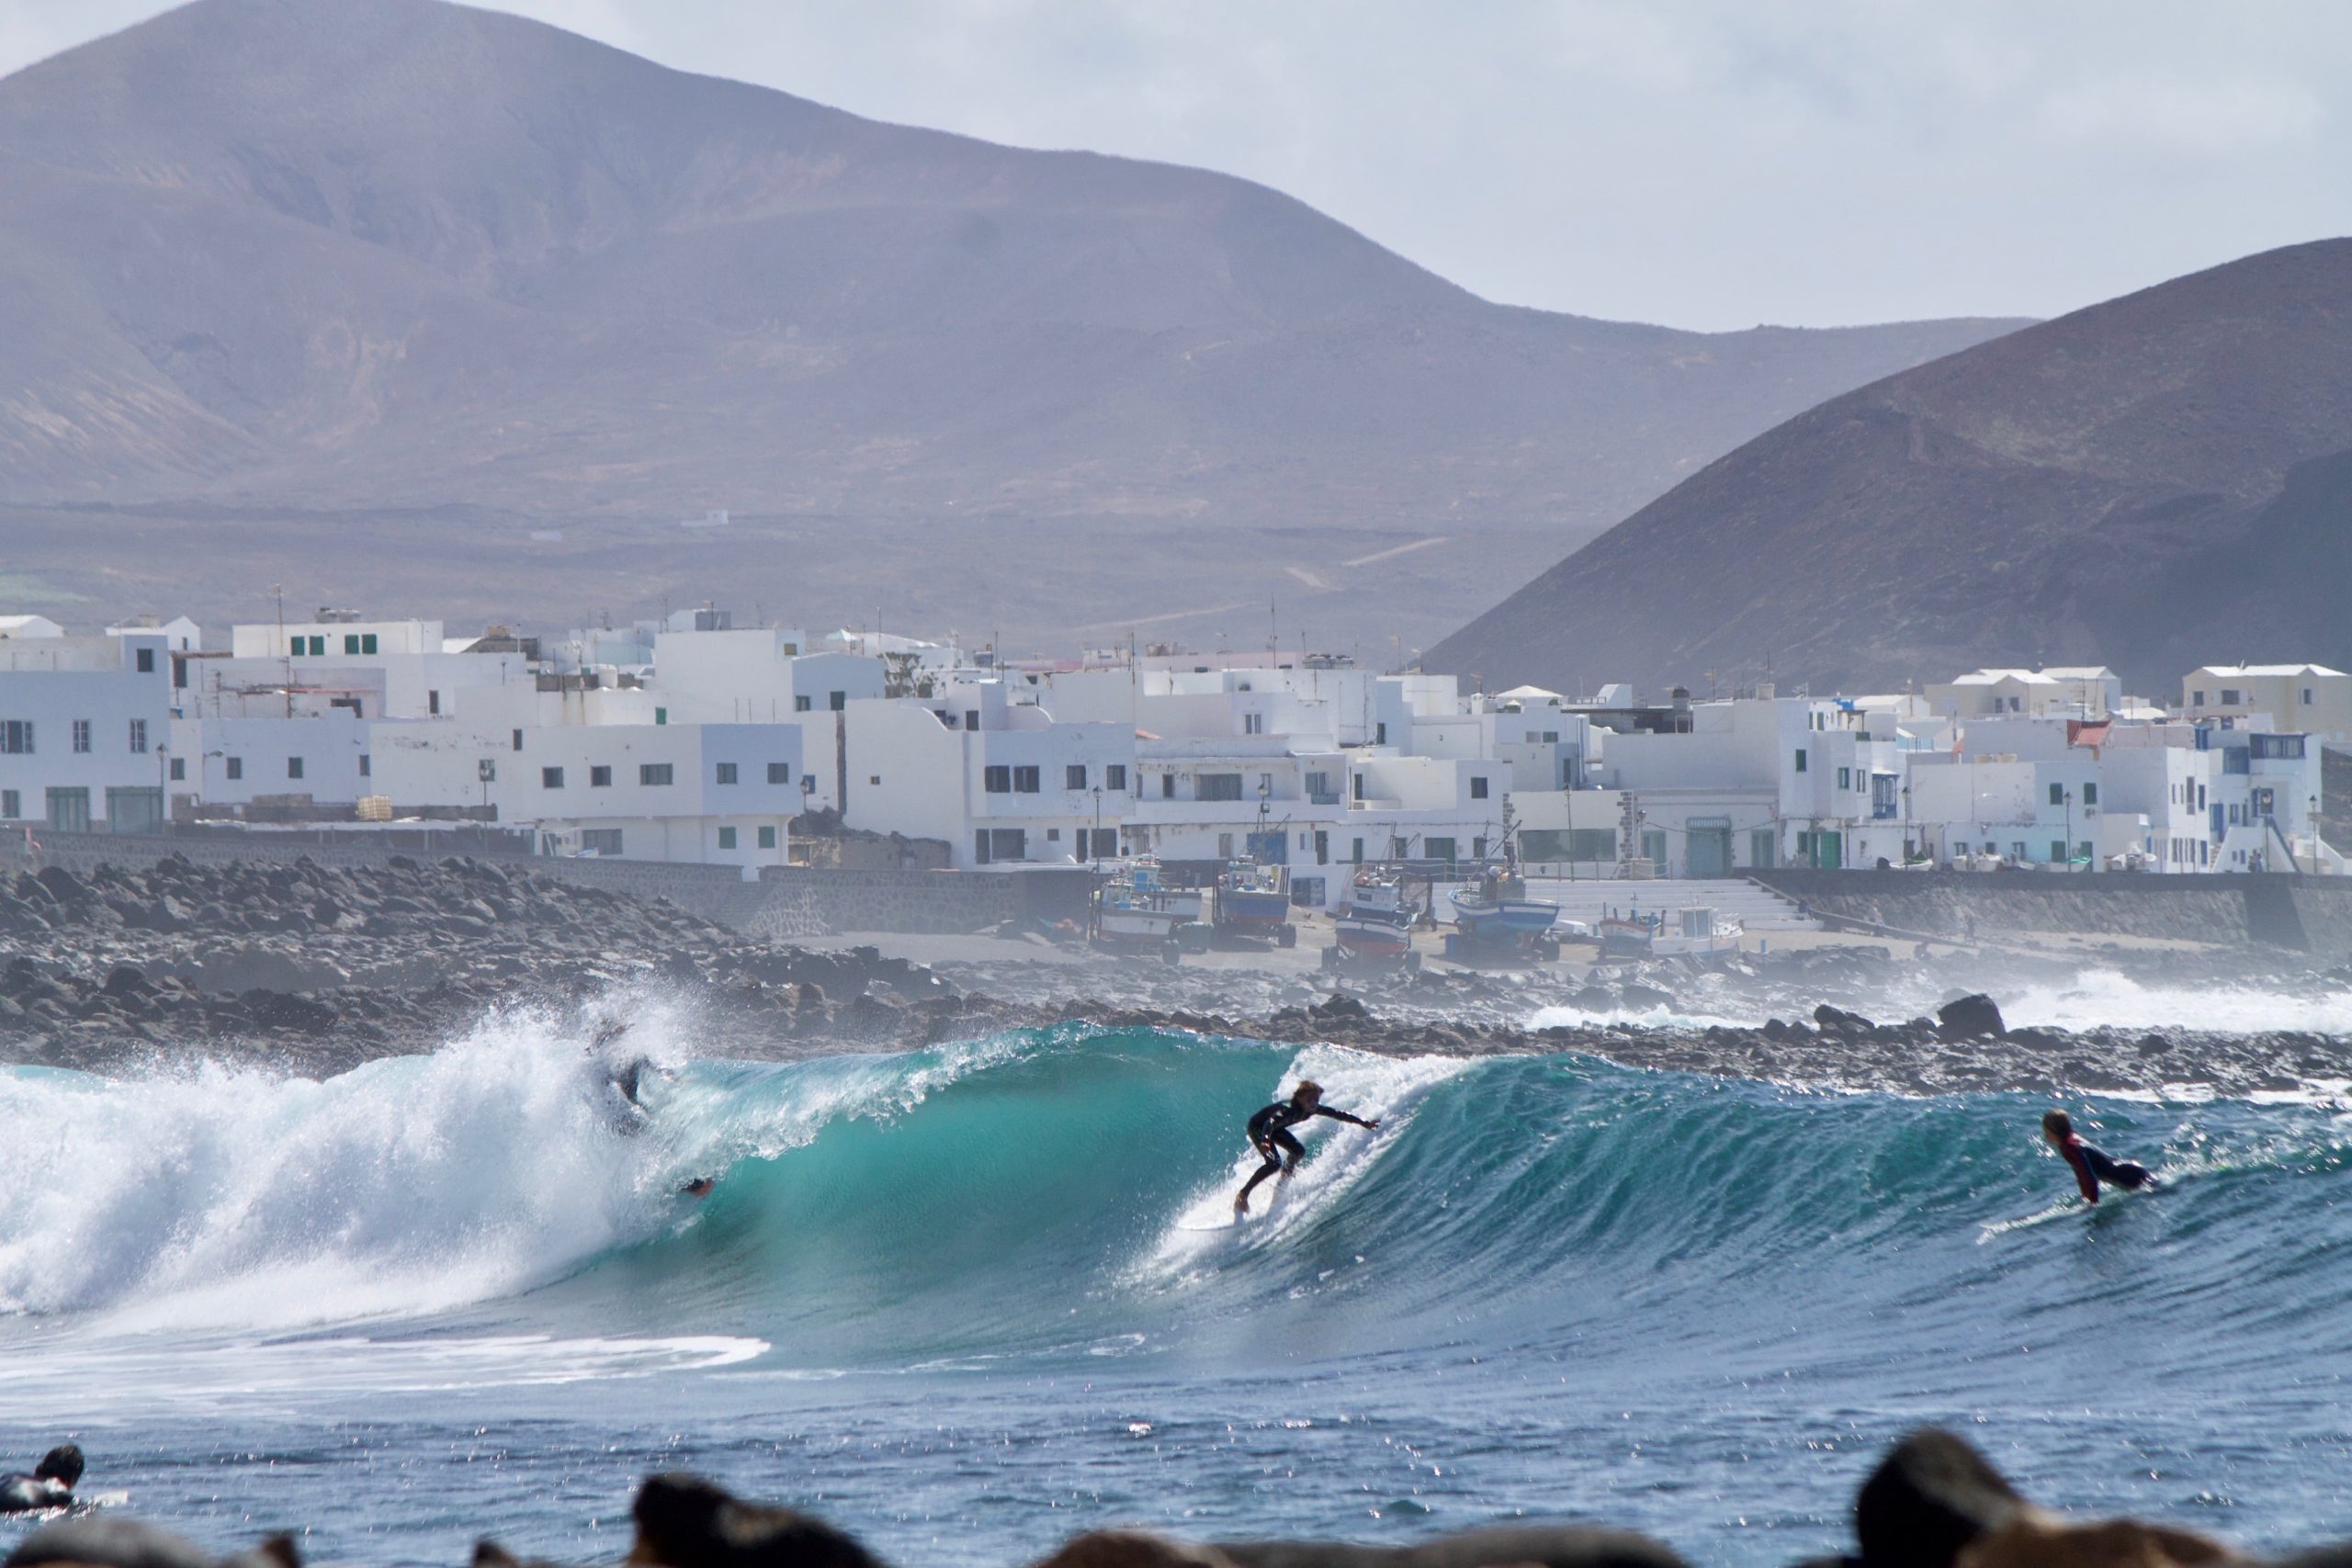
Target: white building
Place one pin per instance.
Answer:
(2306, 698)
(84, 730)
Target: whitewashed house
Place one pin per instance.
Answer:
(84, 730)
(2296, 698)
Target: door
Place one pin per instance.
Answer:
(134, 810)
(1761, 852)
(1270, 849)
(1322, 847)
(1654, 848)
(1829, 850)
(69, 810)
(1708, 841)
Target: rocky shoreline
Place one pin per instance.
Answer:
(1933, 1502)
(314, 970)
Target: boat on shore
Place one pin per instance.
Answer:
(1698, 930)
(1253, 901)
(1376, 923)
(1134, 908)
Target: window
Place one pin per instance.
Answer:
(2229, 697)
(143, 660)
(551, 778)
(600, 777)
(1800, 759)
(1380, 734)
(873, 779)
(1844, 778)
(1052, 835)
(727, 838)
(11, 804)
(971, 718)
(1253, 724)
(1439, 849)
(997, 780)
(726, 772)
(1478, 789)
(661, 716)
(1025, 781)
(2197, 699)
(236, 767)
(1106, 843)
(1355, 853)
(1318, 784)
(800, 704)
(2058, 797)
(653, 774)
(2288, 748)
(366, 642)
(2090, 794)
(518, 740)
(837, 700)
(433, 701)
(2307, 697)
(1216, 787)
(2082, 850)
(351, 642)
(81, 734)
(366, 764)
(16, 738)
(600, 841)
(317, 648)
(1114, 777)
(139, 736)
(2057, 851)
(767, 837)
(779, 773)
(179, 767)
(1074, 776)
(293, 767)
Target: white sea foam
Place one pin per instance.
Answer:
(233, 1196)
(1382, 1088)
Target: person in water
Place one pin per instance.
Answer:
(50, 1486)
(1270, 1135)
(2089, 1165)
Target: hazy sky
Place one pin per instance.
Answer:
(1698, 162)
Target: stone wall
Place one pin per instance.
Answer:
(2302, 914)
(787, 904)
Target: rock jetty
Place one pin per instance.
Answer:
(1933, 1502)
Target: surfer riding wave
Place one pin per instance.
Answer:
(1270, 1136)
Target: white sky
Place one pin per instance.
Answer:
(1698, 162)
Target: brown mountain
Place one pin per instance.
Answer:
(2159, 481)
(352, 291)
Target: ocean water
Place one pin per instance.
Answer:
(966, 1302)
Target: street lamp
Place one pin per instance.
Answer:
(2067, 795)
(1097, 841)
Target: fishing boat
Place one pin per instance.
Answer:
(1696, 930)
(1375, 922)
(1497, 903)
(1253, 901)
(1135, 908)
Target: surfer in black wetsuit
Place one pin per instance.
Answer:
(50, 1486)
(2089, 1165)
(1270, 1136)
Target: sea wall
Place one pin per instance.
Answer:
(2299, 914)
(787, 904)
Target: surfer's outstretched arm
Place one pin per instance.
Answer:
(1343, 1116)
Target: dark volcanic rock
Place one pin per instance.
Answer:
(1969, 1018)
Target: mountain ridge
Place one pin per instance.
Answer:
(2036, 498)
(395, 258)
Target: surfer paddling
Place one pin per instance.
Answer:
(2089, 1165)
(1270, 1136)
(50, 1486)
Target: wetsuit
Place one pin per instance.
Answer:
(23, 1494)
(2092, 1166)
(1270, 1136)
(50, 1486)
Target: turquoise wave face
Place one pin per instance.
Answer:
(1067, 1193)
